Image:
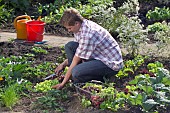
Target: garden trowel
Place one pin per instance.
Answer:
(50, 76)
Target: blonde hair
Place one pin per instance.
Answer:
(70, 16)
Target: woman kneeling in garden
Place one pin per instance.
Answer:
(93, 55)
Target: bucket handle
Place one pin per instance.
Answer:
(19, 17)
(36, 32)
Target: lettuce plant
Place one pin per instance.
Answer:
(10, 96)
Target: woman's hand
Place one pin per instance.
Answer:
(75, 61)
(59, 69)
(58, 86)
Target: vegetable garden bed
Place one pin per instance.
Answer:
(141, 86)
(31, 63)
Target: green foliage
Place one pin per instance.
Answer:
(130, 66)
(94, 6)
(56, 10)
(85, 102)
(51, 100)
(60, 3)
(39, 50)
(153, 89)
(46, 85)
(10, 96)
(39, 70)
(53, 16)
(163, 39)
(158, 14)
(21, 5)
(148, 92)
(130, 7)
(10, 9)
(48, 102)
(106, 97)
(4, 13)
(157, 27)
(12, 68)
(153, 67)
(23, 86)
(94, 88)
(102, 11)
(145, 1)
(136, 99)
(132, 34)
(109, 17)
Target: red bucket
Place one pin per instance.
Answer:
(35, 31)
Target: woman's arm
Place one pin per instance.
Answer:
(61, 67)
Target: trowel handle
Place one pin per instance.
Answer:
(20, 17)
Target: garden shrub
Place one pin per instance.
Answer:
(130, 7)
(4, 13)
(56, 9)
(132, 34)
(111, 18)
(18, 5)
(163, 38)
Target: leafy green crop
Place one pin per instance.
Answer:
(46, 85)
(52, 100)
(151, 92)
(10, 96)
(39, 50)
(131, 66)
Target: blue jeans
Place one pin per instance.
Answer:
(89, 70)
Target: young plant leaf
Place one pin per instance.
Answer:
(148, 104)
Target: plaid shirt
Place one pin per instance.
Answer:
(97, 43)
